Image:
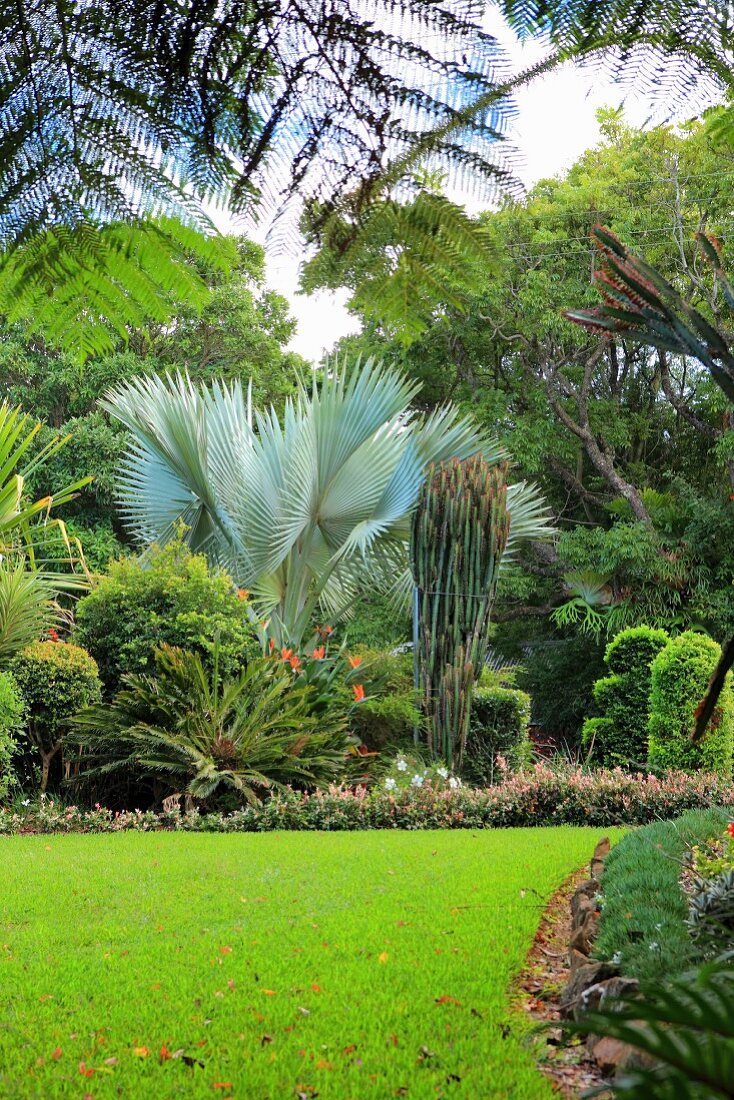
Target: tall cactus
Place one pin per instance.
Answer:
(460, 531)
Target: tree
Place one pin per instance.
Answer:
(124, 113)
(298, 512)
(632, 449)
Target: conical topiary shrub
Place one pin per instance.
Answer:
(680, 678)
(619, 736)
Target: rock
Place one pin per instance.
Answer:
(610, 1055)
(601, 852)
(596, 995)
(584, 905)
(576, 959)
(581, 979)
(585, 890)
(584, 936)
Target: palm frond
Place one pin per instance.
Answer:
(299, 510)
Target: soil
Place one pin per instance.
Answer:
(539, 986)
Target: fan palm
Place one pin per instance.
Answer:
(199, 734)
(298, 512)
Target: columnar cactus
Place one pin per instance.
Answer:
(460, 531)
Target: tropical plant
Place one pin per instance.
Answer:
(199, 734)
(460, 532)
(12, 710)
(685, 1028)
(711, 915)
(640, 305)
(299, 512)
(55, 680)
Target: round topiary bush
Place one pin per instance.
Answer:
(619, 735)
(680, 676)
(56, 680)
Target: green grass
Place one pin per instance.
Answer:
(282, 965)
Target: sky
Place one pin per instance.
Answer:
(555, 123)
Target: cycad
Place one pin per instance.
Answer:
(199, 734)
(298, 511)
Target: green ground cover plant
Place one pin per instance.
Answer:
(644, 911)
(344, 966)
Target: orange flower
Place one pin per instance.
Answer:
(243, 593)
(286, 654)
(295, 663)
(358, 692)
(354, 662)
(319, 653)
(271, 644)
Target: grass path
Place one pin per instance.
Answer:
(347, 965)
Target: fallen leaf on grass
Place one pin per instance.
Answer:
(383, 957)
(222, 1085)
(85, 1070)
(110, 1061)
(56, 1053)
(268, 992)
(141, 1052)
(304, 1011)
(164, 1054)
(444, 999)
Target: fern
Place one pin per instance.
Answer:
(84, 288)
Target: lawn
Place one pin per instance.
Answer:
(341, 965)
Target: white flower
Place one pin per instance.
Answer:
(390, 783)
(617, 958)
(454, 783)
(443, 772)
(659, 927)
(402, 765)
(26, 802)
(654, 946)
(417, 781)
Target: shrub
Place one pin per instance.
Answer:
(199, 734)
(169, 596)
(387, 718)
(498, 728)
(12, 710)
(620, 737)
(559, 676)
(680, 676)
(55, 680)
(644, 910)
(540, 796)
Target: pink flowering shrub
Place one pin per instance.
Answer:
(539, 796)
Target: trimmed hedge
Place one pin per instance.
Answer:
(540, 796)
(619, 735)
(680, 676)
(498, 728)
(644, 910)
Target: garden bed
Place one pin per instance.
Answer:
(539, 796)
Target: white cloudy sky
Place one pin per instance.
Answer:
(556, 122)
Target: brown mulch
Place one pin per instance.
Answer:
(539, 986)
